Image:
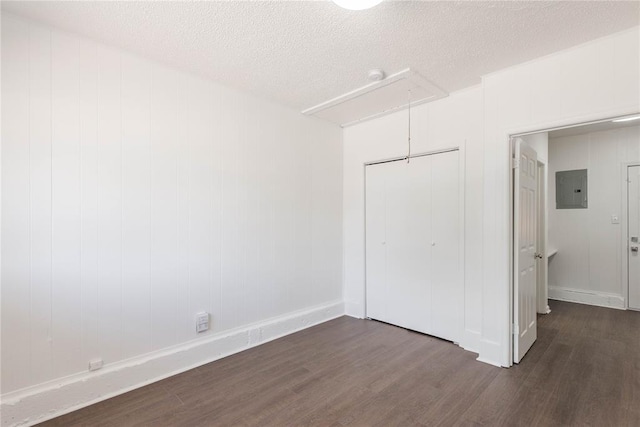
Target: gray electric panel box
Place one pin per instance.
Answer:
(571, 189)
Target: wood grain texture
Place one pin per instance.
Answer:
(584, 369)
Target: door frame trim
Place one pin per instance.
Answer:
(624, 232)
(543, 209)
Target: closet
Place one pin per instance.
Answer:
(413, 244)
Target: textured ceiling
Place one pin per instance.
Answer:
(301, 53)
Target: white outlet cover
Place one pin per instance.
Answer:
(95, 364)
(202, 322)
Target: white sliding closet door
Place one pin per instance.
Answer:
(413, 244)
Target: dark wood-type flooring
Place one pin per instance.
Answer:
(584, 369)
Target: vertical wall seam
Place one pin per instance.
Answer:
(210, 99)
(177, 164)
(97, 321)
(121, 203)
(82, 293)
(149, 159)
(51, 257)
(221, 242)
(30, 203)
(188, 251)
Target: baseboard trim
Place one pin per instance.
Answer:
(600, 299)
(46, 401)
(354, 309)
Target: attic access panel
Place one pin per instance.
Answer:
(377, 99)
(571, 189)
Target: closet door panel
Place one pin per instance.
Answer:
(413, 233)
(447, 286)
(408, 232)
(375, 199)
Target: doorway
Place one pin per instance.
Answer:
(592, 202)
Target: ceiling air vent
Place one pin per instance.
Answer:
(377, 99)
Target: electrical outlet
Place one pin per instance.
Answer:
(615, 219)
(202, 322)
(95, 364)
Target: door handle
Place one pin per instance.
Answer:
(634, 249)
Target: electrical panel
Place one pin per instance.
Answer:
(571, 189)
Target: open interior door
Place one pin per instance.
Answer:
(525, 255)
(633, 194)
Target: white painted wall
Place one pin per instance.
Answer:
(591, 81)
(588, 265)
(135, 196)
(455, 121)
(124, 179)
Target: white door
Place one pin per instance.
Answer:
(633, 198)
(524, 245)
(412, 244)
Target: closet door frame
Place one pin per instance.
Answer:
(460, 148)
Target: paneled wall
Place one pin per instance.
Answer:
(135, 196)
(455, 121)
(589, 259)
(588, 82)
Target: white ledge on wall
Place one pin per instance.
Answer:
(52, 399)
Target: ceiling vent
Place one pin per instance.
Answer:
(377, 99)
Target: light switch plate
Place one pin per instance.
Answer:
(615, 219)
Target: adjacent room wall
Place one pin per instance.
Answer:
(539, 142)
(588, 265)
(135, 196)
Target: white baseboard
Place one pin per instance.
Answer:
(46, 401)
(354, 309)
(600, 299)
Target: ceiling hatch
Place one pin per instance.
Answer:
(377, 99)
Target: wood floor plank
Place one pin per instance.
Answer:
(584, 369)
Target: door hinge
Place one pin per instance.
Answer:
(514, 163)
(514, 328)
